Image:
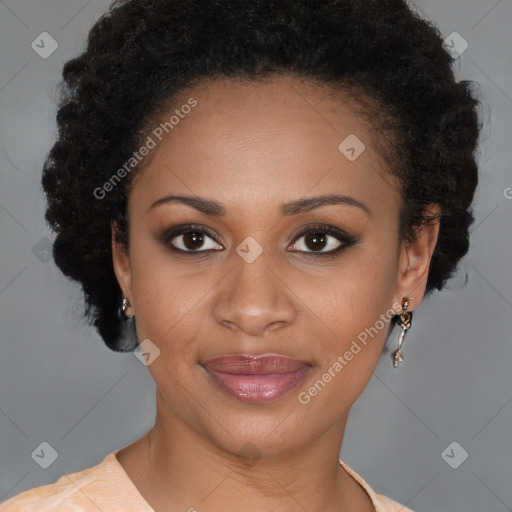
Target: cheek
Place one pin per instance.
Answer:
(349, 353)
(352, 312)
(352, 294)
(164, 298)
(355, 337)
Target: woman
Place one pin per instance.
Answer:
(258, 185)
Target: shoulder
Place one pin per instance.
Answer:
(380, 502)
(385, 504)
(80, 491)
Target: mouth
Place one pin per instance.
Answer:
(256, 379)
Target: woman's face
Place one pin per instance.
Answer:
(255, 283)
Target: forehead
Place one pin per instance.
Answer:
(267, 140)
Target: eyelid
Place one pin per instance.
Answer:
(326, 229)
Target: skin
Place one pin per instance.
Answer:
(253, 147)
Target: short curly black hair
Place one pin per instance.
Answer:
(142, 53)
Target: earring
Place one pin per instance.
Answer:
(125, 304)
(404, 321)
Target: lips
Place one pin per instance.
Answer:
(250, 365)
(256, 379)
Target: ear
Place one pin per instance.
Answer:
(415, 258)
(122, 267)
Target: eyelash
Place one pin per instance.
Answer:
(345, 239)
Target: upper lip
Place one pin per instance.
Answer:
(255, 365)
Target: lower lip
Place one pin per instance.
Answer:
(258, 388)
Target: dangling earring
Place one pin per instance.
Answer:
(125, 304)
(404, 321)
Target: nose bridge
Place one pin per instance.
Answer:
(253, 299)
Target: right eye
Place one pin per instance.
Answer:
(192, 239)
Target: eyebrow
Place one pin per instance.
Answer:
(213, 208)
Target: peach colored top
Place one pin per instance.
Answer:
(107, 485)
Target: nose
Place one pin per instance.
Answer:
(253, 299)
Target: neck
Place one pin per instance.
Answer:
(174, 463)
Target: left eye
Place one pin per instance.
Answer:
(322, 240)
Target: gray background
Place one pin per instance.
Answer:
(60, 384)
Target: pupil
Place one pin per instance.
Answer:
(195, 239)
(315, 239)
